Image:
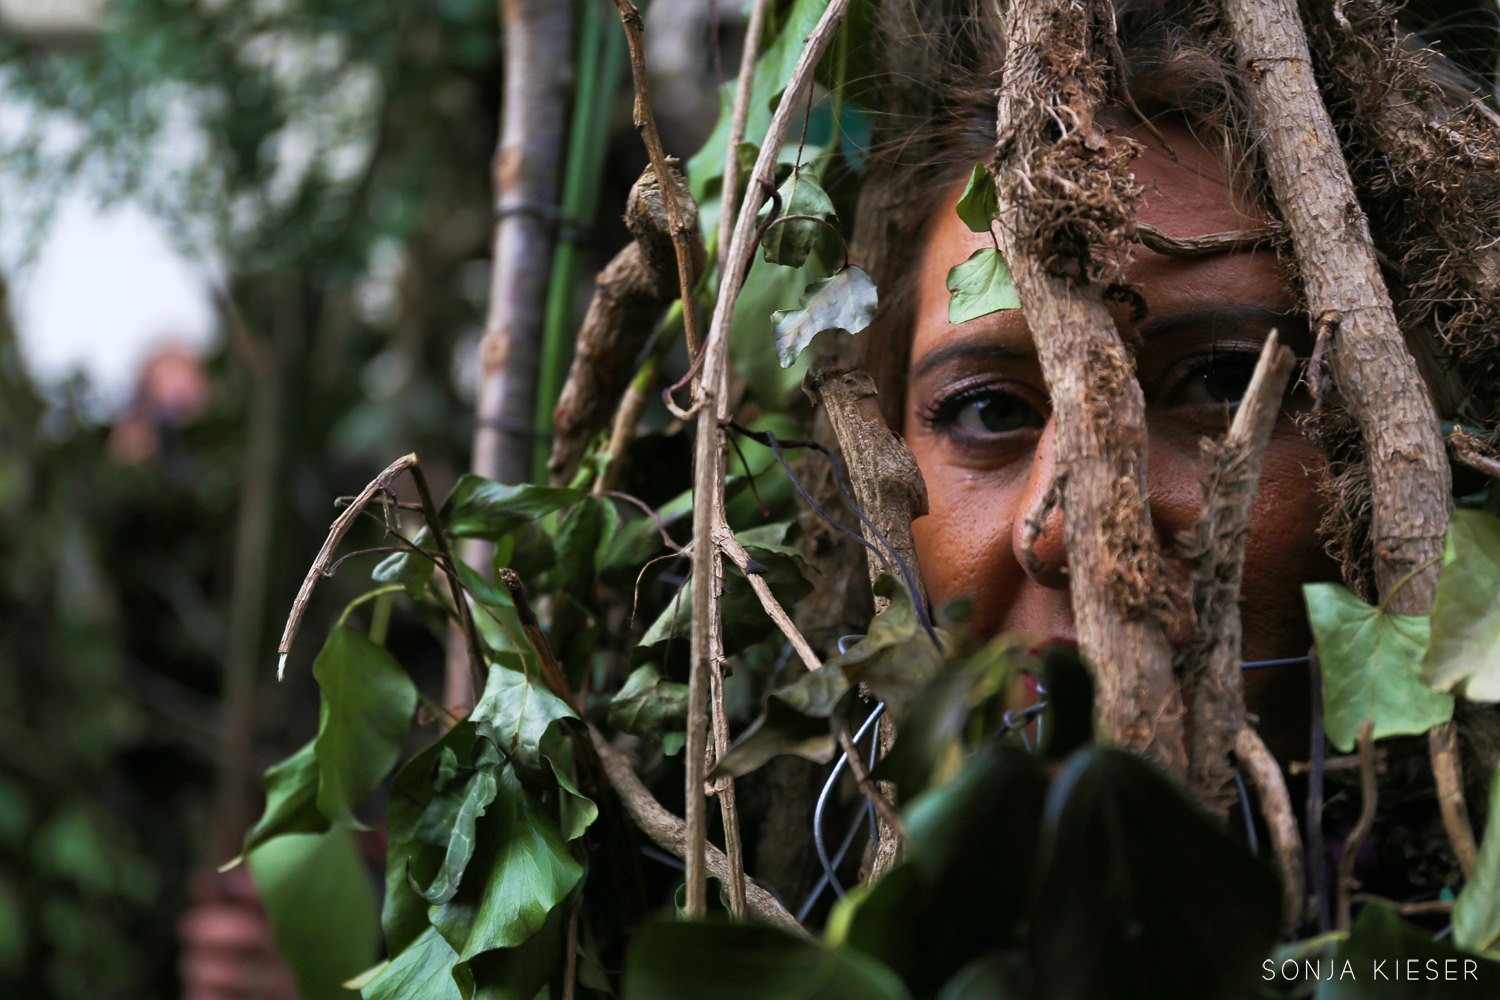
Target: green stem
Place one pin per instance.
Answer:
(600, 59)
(390, 588)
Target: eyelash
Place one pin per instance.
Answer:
(941, 415)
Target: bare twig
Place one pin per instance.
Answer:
(1046, 134)
(712, 402)
(1207, 245)
(684, 230)
(1467, 449)
(1210, 660)
(1276, 806)
(886, 809)
(724, 787)
(1407, 909)
(726, 540)
(552, 671)
(1442, 750)
(737, 118)
(670, 833)
(450, 568)
(1369, 799)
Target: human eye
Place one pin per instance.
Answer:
(986, 414)
(1215, 381)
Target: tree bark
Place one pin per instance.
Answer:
(1050, 152)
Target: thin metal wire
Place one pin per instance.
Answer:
(820, 811)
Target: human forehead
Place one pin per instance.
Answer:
(1187, 192)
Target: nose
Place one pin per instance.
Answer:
(1037, 533)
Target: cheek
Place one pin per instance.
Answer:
(964, 540)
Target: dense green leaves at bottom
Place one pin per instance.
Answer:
(1372, 668)
(1142, 895)
(1380, 941)
(310, 883)
(1465, 648)
(691, 961)
(368, 701)
(423, 971)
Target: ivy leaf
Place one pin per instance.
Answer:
(789, 243)
(1372, 668)
(897, 658)
(479, 791)
(648, 705)
(979, 286)
(408, 568)
(527, 870)
(309, 883)
(796, 721)
(746, 961)
(482, 508)
(1476, 912)
(423, 970)
(584, 536)
(367, 705)
(1116, 835)
(576, 812)
(1465, 649)
(515, 712)
(977, 206)
(1380, 940)
(291, 800)
(417, 803)
(844, 301)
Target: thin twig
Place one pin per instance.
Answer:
(645, 124)
(1417, 909)
(570, 969)
(1276, 806)
(670, 833)
(1447, 771)
(1207, 245)
(867, 787)
(1467, 449)
(725, 539)
(724, 788)
(1369, 798)
(712, 402)
(1210, 659)
(737, 118)
(552, 671)
(450, 568)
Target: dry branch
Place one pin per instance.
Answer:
(670, 833)
(1067, 202)
(629, 296)
(1210, 660)
(1369, 799)
(1207, 245)
(1265, 775)
(712, 403)
(1380, 381)
(726, 540)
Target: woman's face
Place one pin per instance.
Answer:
(980, 424)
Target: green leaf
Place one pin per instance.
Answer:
(1142, 894)
(897, 658)
(789, 243)
(796, 722)
(954, 903)
(479, 792)
(584, 537)
(421, 971)
(367, 705)
(407, 568)
(515, 712)
(979, 286)
(291, 800)
(690, 961)
(1372, 668)
(1476, 912)
(482, 508)
(648, 705)
(576, 812)
(1380, 940)
(521, 869)
(322, 910)
(418, 804)
(844, 301)
(977, 206)
(1465, 650)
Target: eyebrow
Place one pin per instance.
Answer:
(1232, 317)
